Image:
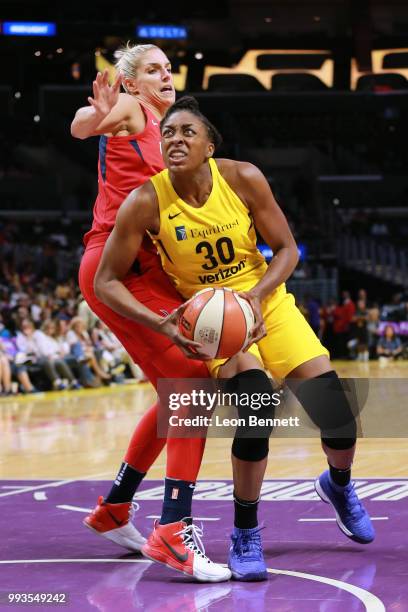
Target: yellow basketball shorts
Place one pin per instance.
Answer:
(290, 341)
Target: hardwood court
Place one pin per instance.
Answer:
(59, 452)
(83, 435)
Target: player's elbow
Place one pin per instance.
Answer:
(76, 131)
(292, 252)
(100, 287)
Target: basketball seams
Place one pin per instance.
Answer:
(190, 313)
(244, 317)
(216, 301)
(222, 323)
(234, 329)
(202, 308)
(248, 322)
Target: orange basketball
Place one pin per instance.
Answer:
(220, 320)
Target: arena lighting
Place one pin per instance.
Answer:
(247, 65)
(266, 251)
(302, 250)
(161, 31)
(377, 57)
(29, 28)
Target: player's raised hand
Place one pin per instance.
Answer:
(105, 96)
(259, 330)
(170, 328)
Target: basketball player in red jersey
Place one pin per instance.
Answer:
(129, 154)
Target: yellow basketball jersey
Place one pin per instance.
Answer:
(210, 246)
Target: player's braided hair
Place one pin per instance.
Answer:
(188, 103)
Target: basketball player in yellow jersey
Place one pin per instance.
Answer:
(202, 214)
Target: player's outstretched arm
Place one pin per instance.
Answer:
(138, 213)
(108, 109)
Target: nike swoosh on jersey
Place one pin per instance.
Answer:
(182, 558)
(174, 216)
(154, 122)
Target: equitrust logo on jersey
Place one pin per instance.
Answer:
(181, 233)
(212, 230)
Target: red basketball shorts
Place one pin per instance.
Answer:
(146, 347)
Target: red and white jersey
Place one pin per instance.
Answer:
(125, 163)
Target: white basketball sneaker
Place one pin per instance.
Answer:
(179, 546)
(114, 522)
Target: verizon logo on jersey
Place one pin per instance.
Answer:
(222, 274)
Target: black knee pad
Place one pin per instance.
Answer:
(339, 443)
(250, 449)
(251, 443)
(328, 406)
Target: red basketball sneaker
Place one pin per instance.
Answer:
(179, 546)
(113, 521)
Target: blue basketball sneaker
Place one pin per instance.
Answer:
(246, 560)
(351, 516)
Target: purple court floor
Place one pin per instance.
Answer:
(313, 566)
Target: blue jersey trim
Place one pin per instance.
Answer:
(137, 148)
(102, 155)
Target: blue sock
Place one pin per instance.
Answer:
(178, 497)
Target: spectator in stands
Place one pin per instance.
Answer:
(389, 345)
(4, 332)
(32, 351)
(26, 342)
(347, 313)
(19, 371)
(327, 322)
(86, 314)
(55, 352)
(113, 352)
(36, 310)
(362, 295)
(359, 331)
(82, 349)
(373, 321)
(349, 307)
(82, 368)
(61, 330)
(394, 311)
(5, 372)
(340, 330)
